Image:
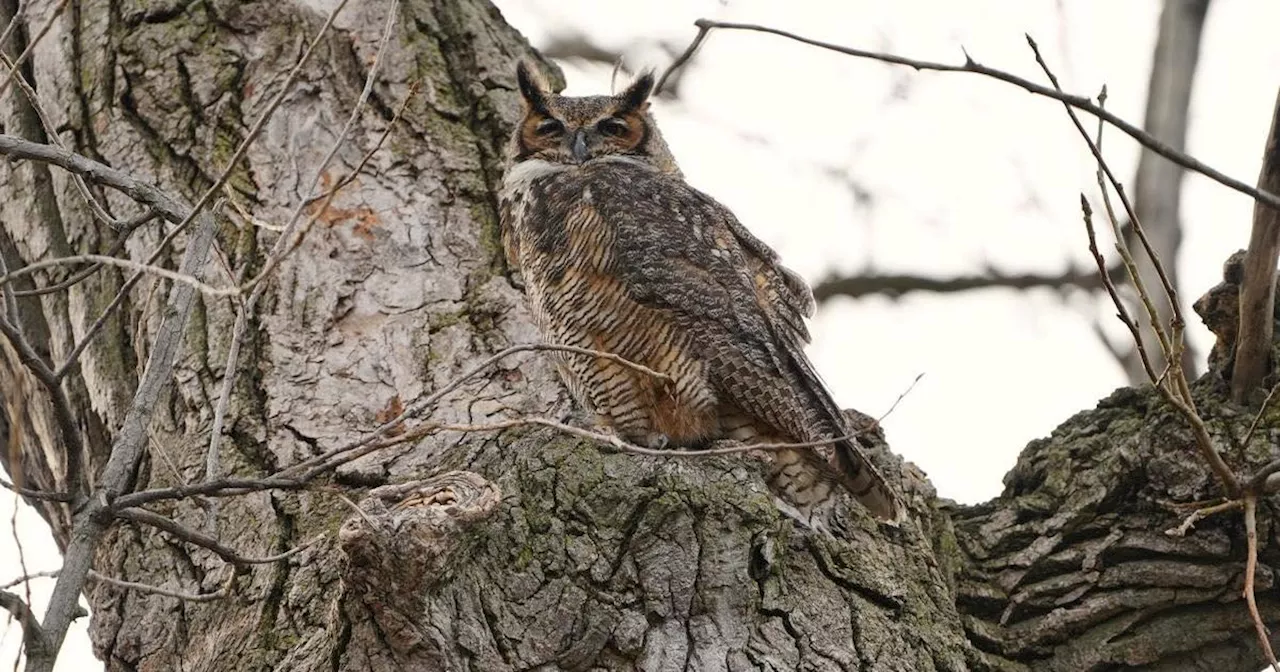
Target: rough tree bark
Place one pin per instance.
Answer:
(526, 549)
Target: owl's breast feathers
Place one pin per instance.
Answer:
(639, 263)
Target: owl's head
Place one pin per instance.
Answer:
(576, 129)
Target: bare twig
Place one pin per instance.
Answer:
(684, 56)
(1204, 443)
(14, 21)
(1200, 514)
(36, 494)
(1121, 311)
(224, 487)
(222, 592)
(1077, 102)
(622, 445)
(126, 228)
(1253, 426)
(359, 511)
(203, 540)
(51, 132)
(47, 574)
(1250, 570)
(123, 263)
(312, 467)
(1135, 275)
(894, 406)
(1258, 287)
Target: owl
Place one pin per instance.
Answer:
(619, 254)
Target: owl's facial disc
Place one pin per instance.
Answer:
(571, 129)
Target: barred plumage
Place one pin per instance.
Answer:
(619, 254)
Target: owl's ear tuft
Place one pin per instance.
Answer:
(532, 86)
(636, 96)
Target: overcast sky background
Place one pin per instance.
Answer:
(845, 165)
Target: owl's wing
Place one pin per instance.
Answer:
(680, 251)
(781, 291)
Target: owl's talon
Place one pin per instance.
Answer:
(656, 441)
(810, 521)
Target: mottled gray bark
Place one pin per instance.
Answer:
(526, 549)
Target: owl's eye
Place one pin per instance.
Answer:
(549, 127)
(612, 126)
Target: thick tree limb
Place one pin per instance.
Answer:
(894, 285)
(1258, 287)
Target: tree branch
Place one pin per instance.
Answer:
(1078, 102)
(92, 520)
(32, 634)
(894, 285)
(202, 540)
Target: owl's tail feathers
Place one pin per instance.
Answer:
(864, 481)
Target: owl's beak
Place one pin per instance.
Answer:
(578, 147)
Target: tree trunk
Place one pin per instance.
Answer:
(524, 549)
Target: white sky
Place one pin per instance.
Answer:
(964, 173)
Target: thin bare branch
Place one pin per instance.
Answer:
(126, 228)
(202, 540)
(14, 22)
(26, 578)
(1257, 418)
(622, 445)
(1135, 275)
(222, 592)
(684, 57)
(225, 487)
(894, 406)
(36, 494)
(1250, 571)
(311, 467)
(1200, 514)
(1078, 102)
(122, 263)
(91, 520)
(51, 132)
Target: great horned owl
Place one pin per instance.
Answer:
(619, 254)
